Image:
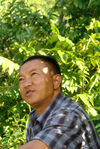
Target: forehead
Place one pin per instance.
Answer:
(34, 65)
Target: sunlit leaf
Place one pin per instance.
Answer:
(8, 64)
(54, 29)
(85, 99)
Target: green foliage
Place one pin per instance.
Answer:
(72, 16)
(69, 31)
(7, 64)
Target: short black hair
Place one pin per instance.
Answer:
(49, 59)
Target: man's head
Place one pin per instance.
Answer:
(39, 80)
(50, 60)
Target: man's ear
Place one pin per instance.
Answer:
(57, 81)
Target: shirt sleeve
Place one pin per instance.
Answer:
(62, 130)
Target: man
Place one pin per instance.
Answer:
(57, 122)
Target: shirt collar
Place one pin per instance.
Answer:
(41, 119)
(49, 109)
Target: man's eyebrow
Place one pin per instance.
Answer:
(20, 75)
(32, 70)
(29, 71)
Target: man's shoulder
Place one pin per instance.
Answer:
(65, 104)
(63, 113)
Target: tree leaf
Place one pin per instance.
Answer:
(8, 64)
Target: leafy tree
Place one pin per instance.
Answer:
(68, 30)
(73, 15)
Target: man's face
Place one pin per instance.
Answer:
(36, 82)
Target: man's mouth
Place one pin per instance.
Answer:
(29, 92)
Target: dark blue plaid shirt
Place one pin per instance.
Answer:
(64, 125)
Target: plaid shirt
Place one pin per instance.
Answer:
(64, 125)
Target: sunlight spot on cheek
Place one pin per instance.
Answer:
(45, 70)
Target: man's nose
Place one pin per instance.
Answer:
(27, 82)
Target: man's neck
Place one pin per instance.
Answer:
(43, 106)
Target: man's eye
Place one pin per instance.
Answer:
(20, 79)
(34, 73)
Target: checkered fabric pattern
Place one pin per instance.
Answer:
(64, 125)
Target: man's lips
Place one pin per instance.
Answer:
(29, 92)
